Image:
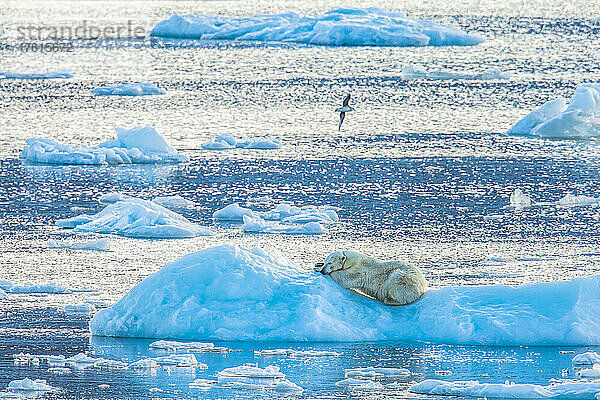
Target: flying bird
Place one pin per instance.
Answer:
(343, 110)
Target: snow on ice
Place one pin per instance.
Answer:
(138, 145)
(234, 293)
(337, 27)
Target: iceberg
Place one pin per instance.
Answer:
(587, 358)
(59, 74)
(337, 27)
(136, 218)
(573, 390)
(227, 141)
(413, 71)
(128, 89)
(234, 293)
(139, 145)
(554, 119)
(259, 225)
(232, 212)
(97, 245)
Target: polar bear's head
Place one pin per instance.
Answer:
(336, 261)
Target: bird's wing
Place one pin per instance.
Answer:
(346, 100)
(342, 115)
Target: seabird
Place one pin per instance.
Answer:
(343, 110)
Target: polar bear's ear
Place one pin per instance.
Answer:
(344, 259)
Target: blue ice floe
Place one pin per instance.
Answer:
(555, 119)
(137, 218)
(337, 27)
(59, 74)
(138, 145)
(128, 89)
(227, 141)
(413, 71)
(234, 293)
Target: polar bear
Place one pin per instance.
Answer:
(392, 282)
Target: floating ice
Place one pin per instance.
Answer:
(190, 347)
(1, 30)
(232, 212)
(337, 27)
(259, 225)
(227, 141)
(174, 202)
(519, 200)
(113, 197)
(180, 360)
(136, 218)
(27, 358)
(579, 390)
(139, 145)
(378, 373)
(578, 120)
(59, 74)
(103, 386)
(97, 245)
(570, 200)
(295, 353)
(30, 385)
(110, 364)
(590, 373)
(588, 358)
(202, 384)
(128, 89)
(360, 384)
(29, 288)
(144, 364)
(83, 308)
(251, 377)
(233, 293)
(60, 370)
(413, 71)
(3, 294)
(285, 386)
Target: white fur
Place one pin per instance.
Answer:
(391, 282)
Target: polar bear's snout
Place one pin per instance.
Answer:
(319, 267)
(334, 262)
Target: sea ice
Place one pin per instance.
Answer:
(97, 245)
(259, 225)
(113, 197)
(83, 308)
(202, 384)
(580, 390)
(337, 27)
(139, 145)
(29, 288)
(234, 293)
(519, 200)
(60, 370)
(59, 74)
(30, 385)
(251, 377)
(588, 358)
(412, 71)
(136, 218)
(590, 373)
(128, 89)
(174, 202)
(169, 345)
(227, 141)
(580, 118)
(232, 212)
(286, 386)
(179, 360)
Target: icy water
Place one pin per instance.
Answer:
(422, 172)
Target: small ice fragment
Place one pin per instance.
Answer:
(155, 390)
(519, 200)
(144, 364)
(202, 384)
(570, 200)
(413, 71)
(128, 89)
(174, 202)
(285, 386)
(227, 141)
(232, 212)
(443, 373)
(360, 384)
(58, 74)
(259, 225)
(113, 197)
(59, 370)
(372, 373)
(103, 386)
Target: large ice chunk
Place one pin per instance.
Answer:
(128, 89)
(580, 390)
(59, 74)
(337, 27)
(136, 218)
(233, 293)
(139, 145)
(519, 200)
(580, 119)
(30, 385)
(414, 71)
